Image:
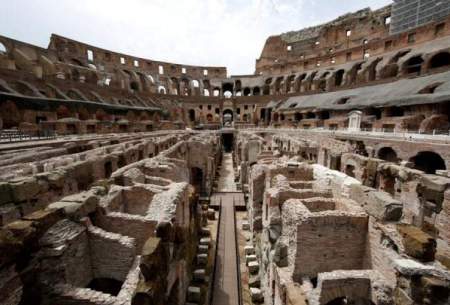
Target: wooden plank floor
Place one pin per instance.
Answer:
(226, 272)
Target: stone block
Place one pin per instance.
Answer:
(249, 250)
(256, 295)
(280, 255)
(202, 259)
(211, 214)
(24, 189)
(417, 243)
(200, 275)
(203, 249)
(410, 267)
(382, 206)
(254, 281)
(23, 230)
(205, 241)
(44, 219)
(78, 205)
(205, 231)
(253, 267)
(133, 175)
(250, 258)
(193, 294)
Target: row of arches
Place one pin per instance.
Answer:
(426, 161)
(364, 71)
(227, 116)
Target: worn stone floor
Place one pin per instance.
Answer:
(226, 285)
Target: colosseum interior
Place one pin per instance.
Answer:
(323, 178)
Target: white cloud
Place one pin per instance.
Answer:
(227, 33)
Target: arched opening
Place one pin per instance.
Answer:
(339, 77)
(298, 82)
(2, 48)
(76, 62)
(175, 85)
(324, 115)
(275, 117)
(395, 112)
(209, 118)
(354, 72)
(205, 92)
(238, 85)
(388, 154)
(298, 116)
(428, 162)
(290, 84)
(310, 115)
(162, 90)
(192, 115)
(245, 118)
(75, 75)
(278, 84)
(227, 117)
(227, 141)
(227, 89)
(413, 65)
(195, 83)
(216, 92)
(13, 117)
(266, 88)
(440, 60)
(184, 86)
(62, 112)
(247, 91)
(350, 170)
(256, 91)
(373, 69)
(134, 86)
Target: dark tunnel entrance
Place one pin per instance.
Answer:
(227, 141)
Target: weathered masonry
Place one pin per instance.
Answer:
(323, 178)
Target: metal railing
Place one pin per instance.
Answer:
(436, 134)
(15, 135)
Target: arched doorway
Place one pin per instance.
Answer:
(440, 60)
(388, 154)
(228, 117)
(350, 170)
(192, 115)
(428, 162)
(413, 65)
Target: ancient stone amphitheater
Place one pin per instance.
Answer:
(321, 179)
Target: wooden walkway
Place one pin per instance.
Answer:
(226, 282)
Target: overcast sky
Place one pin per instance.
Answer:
(227, 33)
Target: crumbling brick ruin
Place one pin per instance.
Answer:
(321, 179)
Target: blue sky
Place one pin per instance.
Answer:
(227, 33)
